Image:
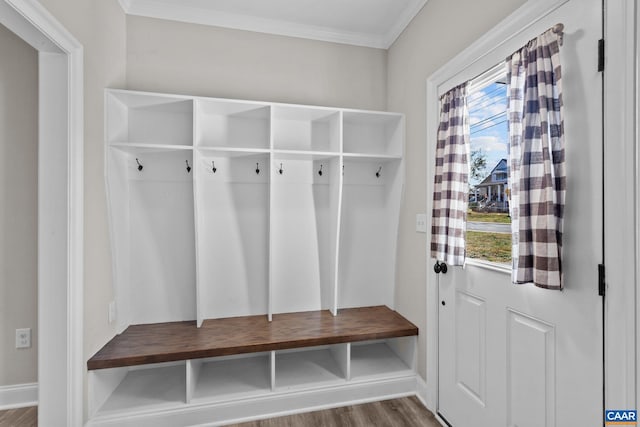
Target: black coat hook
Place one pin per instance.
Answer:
(320, 171)
(139, 165)
(257, 168)
(213, 166)
(188, 167)
(378, 173)
(280, 171)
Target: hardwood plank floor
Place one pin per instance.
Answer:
(403, 412)
(23, 417)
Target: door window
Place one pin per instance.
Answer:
(488, 222)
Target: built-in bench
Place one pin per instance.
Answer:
(236, 363)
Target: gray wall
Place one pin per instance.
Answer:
(440, 31)
(101, 28)
(175, 57)
(150, 54)
(18, 207)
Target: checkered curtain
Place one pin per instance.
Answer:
(451, 184)
(537, 173)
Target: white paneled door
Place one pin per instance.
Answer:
(517, 355)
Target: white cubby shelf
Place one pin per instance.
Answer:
(223, 209)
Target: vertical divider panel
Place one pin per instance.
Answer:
(336, 192)
(197, 158)
(272, 369)
(271, 243)
(342, 355)
(193, 367)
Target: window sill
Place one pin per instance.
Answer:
(493, 266)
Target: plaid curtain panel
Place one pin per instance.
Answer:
(537, 172)
(451, 183)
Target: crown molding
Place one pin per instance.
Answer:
(403, 22)
(195, 15)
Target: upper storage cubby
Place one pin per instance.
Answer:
(371, 197)
(140, 118)
(152, 232)
(224, 124)
(373, 133)
(225, 208)
(298, 128)
(303, 231)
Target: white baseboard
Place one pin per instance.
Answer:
(272, 405)
(18, 396)
(422, 392)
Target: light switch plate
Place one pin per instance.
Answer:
(112, 311)
(421, 223)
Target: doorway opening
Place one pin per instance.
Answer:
(60, 209)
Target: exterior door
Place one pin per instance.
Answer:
(517, 355)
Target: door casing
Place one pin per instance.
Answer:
(60, 210)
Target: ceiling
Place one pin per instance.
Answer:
(371, 23)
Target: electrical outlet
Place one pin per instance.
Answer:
(112, 311)
(23, 338)
(421, 223)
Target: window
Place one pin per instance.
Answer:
(488, 221)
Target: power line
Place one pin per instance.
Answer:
(490, 94)
(488, 119)
(489, 127)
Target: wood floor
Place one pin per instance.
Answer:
(23, 417)
(404, 412)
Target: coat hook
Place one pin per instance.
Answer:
(320, 171)
(280, 171)
(378, 173)
(139, 165)
(213, 166)
(257, 168)
(188, 167)
(342, 170)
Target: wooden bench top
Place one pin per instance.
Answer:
(172, 341)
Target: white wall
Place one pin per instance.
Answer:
(175, 57)
(18, 207)
(440, 31)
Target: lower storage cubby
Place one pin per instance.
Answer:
(378, 359)
(229, 377)
(147, 387)
(311, 367)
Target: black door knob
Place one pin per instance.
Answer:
(440, 267)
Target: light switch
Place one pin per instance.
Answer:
(421, 223)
